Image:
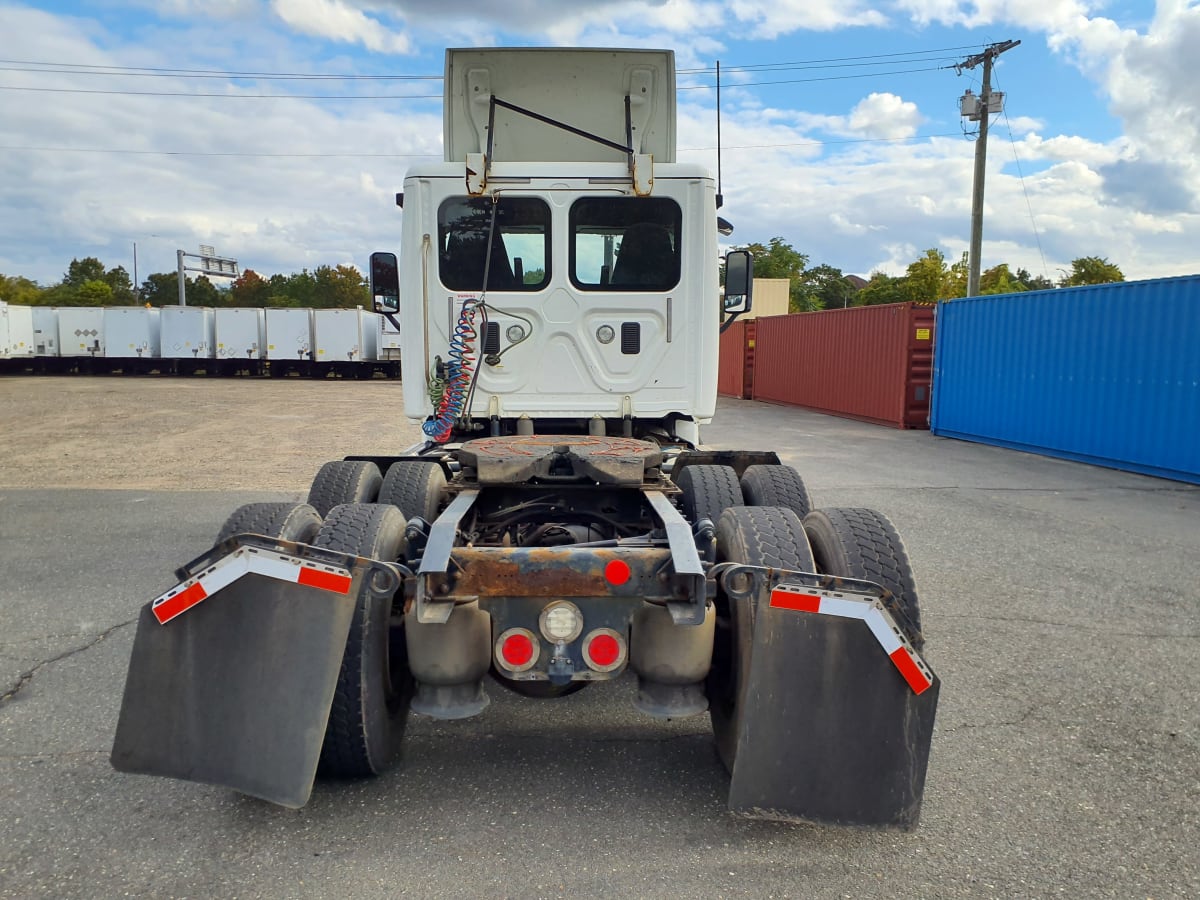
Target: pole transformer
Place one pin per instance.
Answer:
(982, 112)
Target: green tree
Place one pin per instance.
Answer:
(999, 280)
(779, 259)
(297, 289)
(928, 279)
(94, 293)
(161, 289)
(203, 292)
(1034, 282)
(81, 271)
(824, 287)
(342, 287)
(122, 285)
(1091, 270)
(956, 281)
(19, 291)
(250, 289)
(883, 288)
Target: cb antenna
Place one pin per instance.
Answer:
(720, 196)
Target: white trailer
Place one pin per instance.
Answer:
(345, 336)
(188, 335)
(289, 340)
(241, 333)
(389, 341)
(20, 332)
(132, 332)
(45, 332)
(81, 331)
(241, 336)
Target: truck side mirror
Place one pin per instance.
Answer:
(385, 282)
(739, 281)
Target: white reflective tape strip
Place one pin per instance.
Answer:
(225, 572)
(881, 626)
(281, 568)
(229, 569)
(844, 607)
(878, 619)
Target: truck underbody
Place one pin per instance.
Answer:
(544, 563)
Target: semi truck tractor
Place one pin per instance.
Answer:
(559, 296)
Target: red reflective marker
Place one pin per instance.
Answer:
(617, 571)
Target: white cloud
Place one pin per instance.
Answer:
(338, 20)
(885, 116)
(775, 18)
(854, 205)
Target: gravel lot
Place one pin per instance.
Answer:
(190, 434)
(1061, 610)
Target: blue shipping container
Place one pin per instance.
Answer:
(1106, 374)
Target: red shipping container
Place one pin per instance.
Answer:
(873, 363)
(731, 361)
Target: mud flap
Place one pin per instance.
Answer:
(833, 727)
(236, 691)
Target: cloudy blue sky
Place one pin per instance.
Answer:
(134, 121)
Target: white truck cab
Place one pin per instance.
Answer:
(559, 268)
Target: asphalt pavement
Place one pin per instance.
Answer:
(1061, 611)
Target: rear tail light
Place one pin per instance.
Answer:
(517, 650)
(604, 650)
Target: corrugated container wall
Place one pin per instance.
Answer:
(869, 362)
(731, 361)
(1106, 374)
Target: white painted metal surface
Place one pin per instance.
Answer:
(188, 332)
(345, 335)
(241, 333)
(585, 88)
(20, 332)
(45, 330)
(81, 331)
(289, 333)
(131, 332)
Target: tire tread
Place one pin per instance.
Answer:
(346, 752)
(708, 490)
(871, 549)
(344, 481)
(290, 521)
(767, 485)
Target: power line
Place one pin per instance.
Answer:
(71, 68)
(833, 62)
(20, 65)
(1025, 190)
(49, 90)
(232, 153)
(239, 96)
(709, 87)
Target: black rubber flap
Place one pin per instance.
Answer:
(236, 691)
(829, 731)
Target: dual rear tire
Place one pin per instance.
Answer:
(849, 543)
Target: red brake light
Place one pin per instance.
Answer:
(517, 650)
(604, 650)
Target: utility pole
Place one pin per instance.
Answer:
(980, 109)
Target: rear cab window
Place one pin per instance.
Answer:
(625, 243)
(520, 244)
